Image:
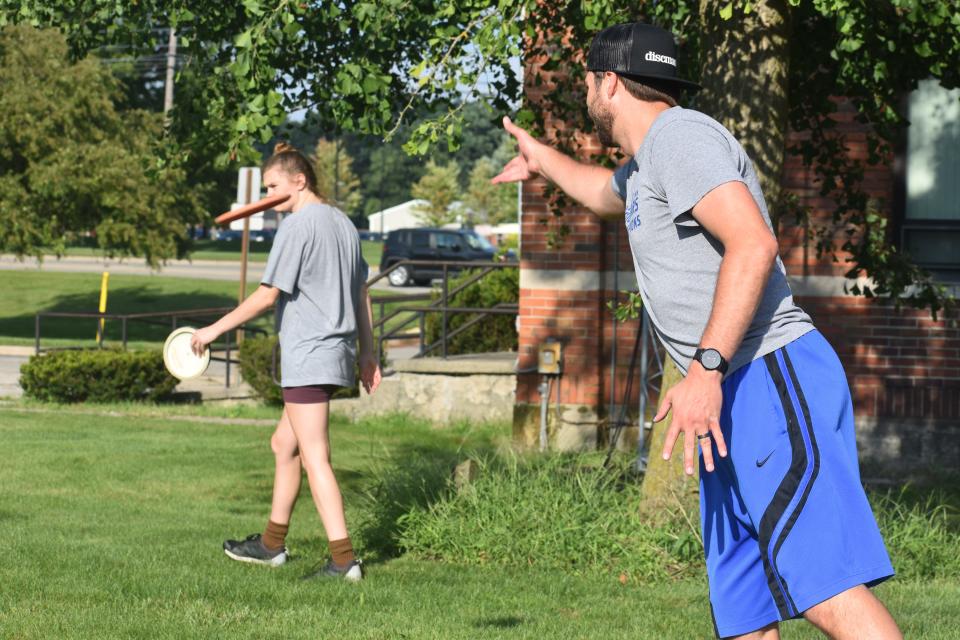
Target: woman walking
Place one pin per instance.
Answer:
(316, 275)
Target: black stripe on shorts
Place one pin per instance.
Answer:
(787, 489)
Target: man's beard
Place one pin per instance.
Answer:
(602, 122)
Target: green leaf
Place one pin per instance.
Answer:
(727, 11)
(244, 40)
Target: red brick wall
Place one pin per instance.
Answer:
(901, 364)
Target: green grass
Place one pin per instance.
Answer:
(112, 518)
(227, 251)
(26, 293)
(29, 292)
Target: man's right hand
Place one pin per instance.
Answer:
(525, 165)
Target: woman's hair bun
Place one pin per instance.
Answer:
(282, 147)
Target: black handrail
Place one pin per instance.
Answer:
(440, 305)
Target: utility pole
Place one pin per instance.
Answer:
(171, 68)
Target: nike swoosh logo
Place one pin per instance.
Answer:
(760, 463)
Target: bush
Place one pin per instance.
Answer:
(918, 534)
(552, 511)
(256, 365)
(96, 375)
(559, 511)
(493, 333)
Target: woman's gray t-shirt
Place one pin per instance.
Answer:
(317, 264)
(683, 157)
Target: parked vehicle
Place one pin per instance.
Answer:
(439, 245)
(375, 236)
(256, 235)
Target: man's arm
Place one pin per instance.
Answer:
(750, 249)
(588, 184)
(730, 214)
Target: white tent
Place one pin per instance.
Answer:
(402, 216)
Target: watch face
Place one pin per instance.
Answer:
(710, 359)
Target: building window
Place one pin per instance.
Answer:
(930, 230)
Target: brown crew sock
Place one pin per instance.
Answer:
(341, 551)
(274, 535)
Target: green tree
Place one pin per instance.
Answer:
(389, 67)
(439, 188)
(492, 203)
(72, 163)
(336, 181)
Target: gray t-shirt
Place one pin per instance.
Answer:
(684, 156)
(317, 264)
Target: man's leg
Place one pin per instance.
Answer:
(769, 632)
(855, 614)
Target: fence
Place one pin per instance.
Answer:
(173, 319)
(400, 329)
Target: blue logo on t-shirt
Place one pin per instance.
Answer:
(632, 215)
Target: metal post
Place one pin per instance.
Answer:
(544, 389)
(616, 300)
(644, 388)
(444, 303)
(227, 384)
(123, 330)
(244, 252)
(423, 328)
(36, 334)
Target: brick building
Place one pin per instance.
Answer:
(903, 367)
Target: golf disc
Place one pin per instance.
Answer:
(179, 358)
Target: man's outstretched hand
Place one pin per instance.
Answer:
(525, 165)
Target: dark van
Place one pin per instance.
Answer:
(430, 244)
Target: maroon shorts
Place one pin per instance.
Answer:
(309, 394)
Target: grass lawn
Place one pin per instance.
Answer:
(112, 520)
(212, 250)
(28, 292)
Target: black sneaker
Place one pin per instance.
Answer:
(252, 550)
(352, 572)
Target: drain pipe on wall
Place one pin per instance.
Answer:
(544, 388)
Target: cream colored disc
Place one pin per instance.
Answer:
(179, 358)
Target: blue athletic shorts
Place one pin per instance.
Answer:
(786, 522)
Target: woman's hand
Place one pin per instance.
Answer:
(369, 372)
(202, 338)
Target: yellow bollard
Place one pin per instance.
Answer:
(103, 305)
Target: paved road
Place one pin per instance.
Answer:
(203, 269)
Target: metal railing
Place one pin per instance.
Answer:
(171, 319)
(400, 330)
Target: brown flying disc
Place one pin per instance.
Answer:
(249, 209)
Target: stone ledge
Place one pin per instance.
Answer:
(503, 363)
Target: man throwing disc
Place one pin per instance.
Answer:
(787, 528)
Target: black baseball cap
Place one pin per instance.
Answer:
(639, 51)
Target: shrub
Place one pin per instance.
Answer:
(493, 333)
(559, 511)
(256, 365)
(553, 511)
(918, 534)
(96, 375)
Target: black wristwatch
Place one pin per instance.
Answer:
(711, 360)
